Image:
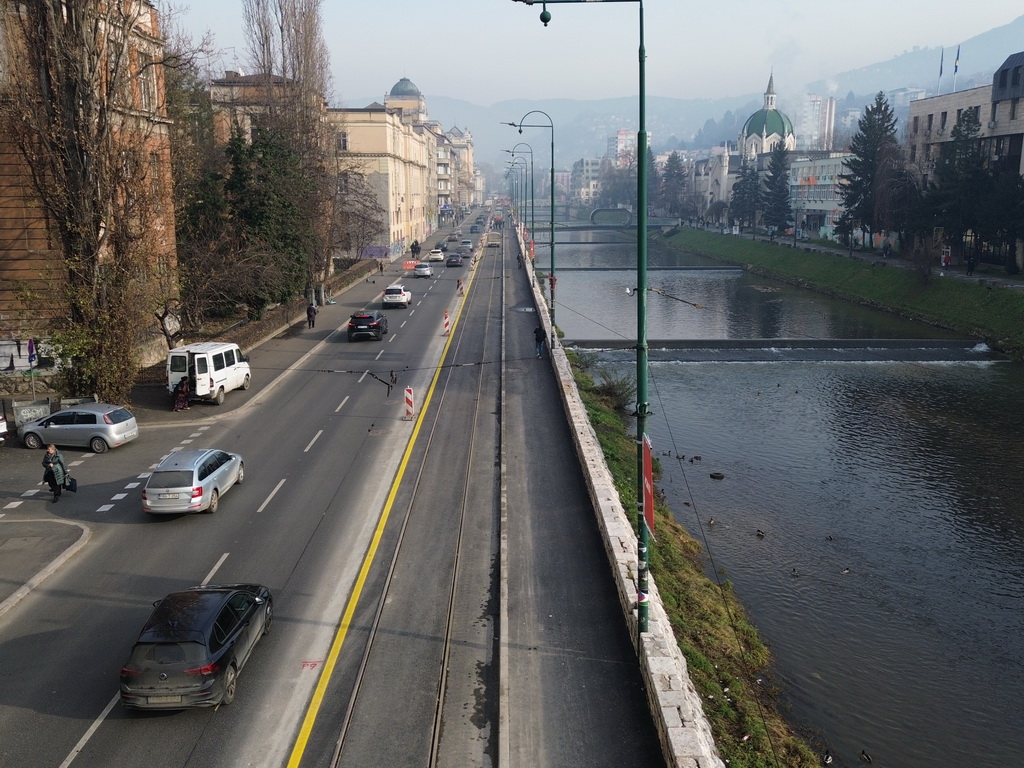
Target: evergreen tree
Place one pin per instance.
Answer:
(963, 183)
(778, 212)
(747, 198)
(673, 184)
(874, 148)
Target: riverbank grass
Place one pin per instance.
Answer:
(728, 663)
(976, 309)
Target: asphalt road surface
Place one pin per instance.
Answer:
(379, 537)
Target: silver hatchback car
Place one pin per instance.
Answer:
(191, 481)
(97, 425)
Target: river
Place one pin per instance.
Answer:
(882, 460)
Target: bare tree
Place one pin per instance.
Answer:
(83, 112)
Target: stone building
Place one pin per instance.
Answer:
(29, 255)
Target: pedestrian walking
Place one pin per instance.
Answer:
(970, 264)
(538, 338)
(380, 266)
(55, 471)
(311, 313)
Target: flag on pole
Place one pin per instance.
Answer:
(956, 63)
(31, 352)
(942, 55)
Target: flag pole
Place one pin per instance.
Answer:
(956, 66)
(938, 85)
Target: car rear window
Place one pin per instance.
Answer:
(393, 291)
(175, 654)
(363, 318)
(171, 478)
(118, 416)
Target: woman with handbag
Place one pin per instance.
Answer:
(55, 471)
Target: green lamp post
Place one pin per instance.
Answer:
(533, 220)
(642, 403)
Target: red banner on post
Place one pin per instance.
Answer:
(648, 481)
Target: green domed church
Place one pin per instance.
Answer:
(766, 128)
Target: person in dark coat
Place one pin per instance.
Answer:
(181, 392)
(538, 340)
(55, 471)
(311, 313)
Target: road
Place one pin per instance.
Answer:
(379, 537)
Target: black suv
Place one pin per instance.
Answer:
(372, 323)
(194, 646)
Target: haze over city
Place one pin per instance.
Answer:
(485, 51)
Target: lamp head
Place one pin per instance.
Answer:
(545, 16)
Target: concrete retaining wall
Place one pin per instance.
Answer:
(685, 733)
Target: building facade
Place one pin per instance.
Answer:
(31, 264)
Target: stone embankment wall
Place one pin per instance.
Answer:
(685, 733)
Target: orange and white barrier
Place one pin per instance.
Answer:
(410, 404)
(447, 323)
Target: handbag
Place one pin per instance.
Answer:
(71, 484)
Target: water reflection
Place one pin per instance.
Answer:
(904, 473)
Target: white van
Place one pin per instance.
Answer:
(213, 369)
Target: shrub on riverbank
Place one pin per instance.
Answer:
(976, 309)
(727, 661)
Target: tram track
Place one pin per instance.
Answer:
(469, 395)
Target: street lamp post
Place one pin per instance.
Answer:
(642, 404)
(553, 280)
(522, 189)
(533, 220)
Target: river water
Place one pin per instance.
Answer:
(882, 460)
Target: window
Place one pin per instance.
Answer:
(1003, 74)
(1016, 76)
(342, 141)
(942, 121)
(229, 358)
(1013, 109)
(62, 419)
(916, 118)
(202, 365)
(930, 119)
(995, 111)
(927, 152)
(147, 89)
(83, 417)
(218, 361)
(913, 153)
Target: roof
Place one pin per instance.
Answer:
(766, 122)
(404, 88)
(1003, 85)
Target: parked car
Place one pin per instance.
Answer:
(372, 323)
(194, 645)
(3, 430)
(191, 481)
(423, 269)
(455, 260)
(436, 255)
(396, 296)
(213, 368)
(98, 426)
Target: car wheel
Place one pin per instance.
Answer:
(219, 397)
(214, 503)
(241, 472)
(230, 685)
(32, 440)
(268, 617)
(98, 445)
(246, 381)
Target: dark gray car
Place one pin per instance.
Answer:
(194, 645)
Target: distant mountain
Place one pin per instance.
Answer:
(582, 128)
(979, 57)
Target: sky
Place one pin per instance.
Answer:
(486, 51)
